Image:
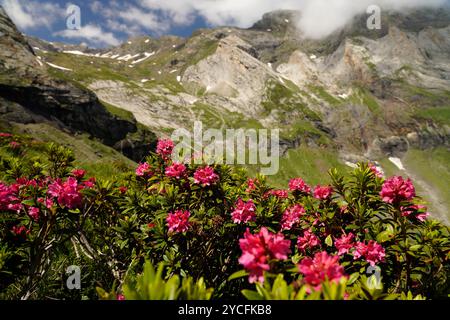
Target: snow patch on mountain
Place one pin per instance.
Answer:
(58, 67)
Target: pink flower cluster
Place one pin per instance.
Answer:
(20, 231)
(259, 249)
(178, 221)
(176, 170)
(67, 193)
(144, 170)
(298, 184)
(291, 216)
(308, 241)
(375, 171)
(8, 195)
(48, 203)
(205, 176)
(321, 268)
(244, 212)
(78, 174)
(371, 252)
(396, 190)
(416, 210)
(14, 145)
(5, 135)
(165, 148)
(323, 192)
(33, 212)
(344, 244)
(251, 185)
(281, 194)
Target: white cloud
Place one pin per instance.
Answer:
(91, 33)
(33, 14)
(130, 19)
(146, 20)
(319, 18)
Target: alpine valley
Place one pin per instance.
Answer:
(357, 95)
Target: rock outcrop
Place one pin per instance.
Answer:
(28, 94)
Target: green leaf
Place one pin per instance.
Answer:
(384, 236)
(329, 241)
(238, 274)
(353, 278)
(416, 247)
(251, 295)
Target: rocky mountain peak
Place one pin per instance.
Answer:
(17, 56)
(277, 21)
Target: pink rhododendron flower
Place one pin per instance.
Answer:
(15, 207)
(308, 241)
(282, 194)
(120, 297)
(292, 216)
(176, 170)
(344, 243)
(33, 212)
(14, 145)
(323, 192)
(423, 216)
(205, 176)
(20, 231)
(375, 170)
(5, 135)
(67, 193)
(78, 173)
(415, 211)
(299, 185)
(244, 212)
(178, 221)
(165, 148)
(23, 183)
(321, 268)
(144, 169)
(123, 189)
(396, 190)
(89, 184)
(251, 183)
(47, 202)
(7, 196)
(259, 249)
(372, 252)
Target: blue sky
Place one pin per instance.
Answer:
(110, 22)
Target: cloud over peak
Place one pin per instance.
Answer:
(109, 21)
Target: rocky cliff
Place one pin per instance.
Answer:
(29, 94)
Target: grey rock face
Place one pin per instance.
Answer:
(29, 94)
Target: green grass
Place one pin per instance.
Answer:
(440, 115)
(98, 159)
(312, 164)
(206, 48)
(118, 112)
(363, 95)
(321, 93)
(286, 98)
